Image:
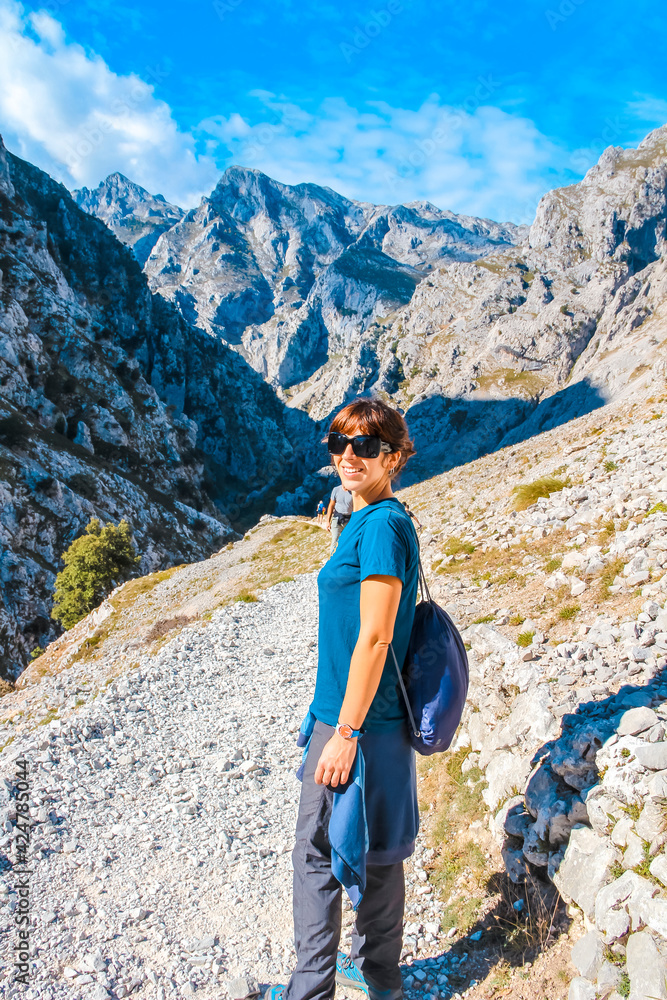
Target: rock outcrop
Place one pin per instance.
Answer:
(488, 333)
(294, 276)
(135, 216)
(111, 405)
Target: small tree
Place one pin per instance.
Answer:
(95, 563)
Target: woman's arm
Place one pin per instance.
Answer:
(380, 596)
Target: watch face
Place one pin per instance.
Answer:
(345, 731)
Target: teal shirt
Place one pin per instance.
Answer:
(379, 539)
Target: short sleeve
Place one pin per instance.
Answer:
(383, 549)
(333, 493)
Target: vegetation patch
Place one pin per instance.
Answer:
(527, 494)
(94, 564)
(166, 626)
(455, 546)
(460, 868)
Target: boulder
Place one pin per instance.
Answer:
(617, 903)
(485, 640)
(585, 869)
(646, 968)
(506, 775)
(657, 786)
(653, 913)
(581, 989)
(609, 977)
(658, 868)
(634, 851)
(619, 835)
(652, 821)
(588, 954)
(602, 809)
(531, 718)
(652, 756)
(477, 730)
(636, 721)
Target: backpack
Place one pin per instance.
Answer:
(435, 675)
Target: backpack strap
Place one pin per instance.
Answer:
(415, 731)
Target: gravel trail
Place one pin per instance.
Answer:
(163, 815)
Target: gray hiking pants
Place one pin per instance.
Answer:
(377, 937)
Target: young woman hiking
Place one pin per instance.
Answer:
(358, 815)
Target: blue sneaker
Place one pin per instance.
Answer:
(274, 993)
(347, 974)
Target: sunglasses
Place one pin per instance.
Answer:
(363, 445)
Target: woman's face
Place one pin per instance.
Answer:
(363, 475)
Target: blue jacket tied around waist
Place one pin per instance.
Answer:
(348, 827)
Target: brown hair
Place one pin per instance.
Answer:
(374, 416)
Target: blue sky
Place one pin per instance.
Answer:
(478, 107)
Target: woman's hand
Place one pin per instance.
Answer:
(336, 760)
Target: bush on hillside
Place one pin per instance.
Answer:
(95, 563)
(527, 493)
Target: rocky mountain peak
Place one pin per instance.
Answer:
(137, 217)
(618, 211)
(6, 186)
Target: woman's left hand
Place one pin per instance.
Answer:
(336, 760)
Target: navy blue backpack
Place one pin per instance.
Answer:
(435, 675)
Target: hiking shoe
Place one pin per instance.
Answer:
(274, 993)
(347, 974)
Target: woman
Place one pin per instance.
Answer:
(367, 592)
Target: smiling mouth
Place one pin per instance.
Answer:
(350, 472)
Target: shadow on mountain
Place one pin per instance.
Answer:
(453, 431)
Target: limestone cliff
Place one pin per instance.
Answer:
(110, 405)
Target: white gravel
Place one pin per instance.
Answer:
(163, 817)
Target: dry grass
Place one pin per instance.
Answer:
(527, 494)
(460, 868)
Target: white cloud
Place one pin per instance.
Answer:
(66, 111)
(482, 160)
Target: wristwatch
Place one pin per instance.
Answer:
(347, 732)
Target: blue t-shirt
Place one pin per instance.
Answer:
(379, 540)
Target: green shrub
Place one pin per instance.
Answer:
(610, 465)
(37, 651)
(658, 508)
(517, 619)
(569, 611)
(525, 638)
(95, 563)
(552, 564)
(484, 620)
(528, 493)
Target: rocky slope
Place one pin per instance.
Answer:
(493, 351)
(135, 216)
(487, 333)
(295, 275)
(110, 405)
(564, 607)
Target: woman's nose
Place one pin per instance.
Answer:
(348, 453)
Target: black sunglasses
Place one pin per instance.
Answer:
(363, 445)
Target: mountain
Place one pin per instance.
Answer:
(501, 348)
(111, 405)
(135, 216)
(295, 275)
